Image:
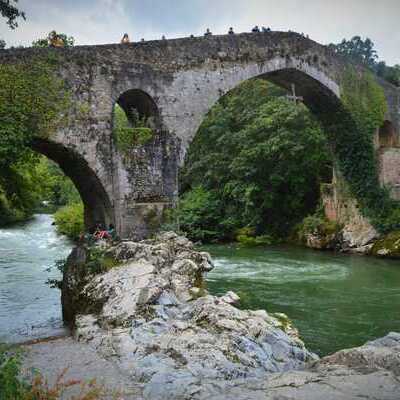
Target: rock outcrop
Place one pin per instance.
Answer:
(369, 372)
(152, 314)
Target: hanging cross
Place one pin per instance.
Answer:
(293, 96)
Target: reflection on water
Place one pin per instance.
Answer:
(336, 301)
(29, 308)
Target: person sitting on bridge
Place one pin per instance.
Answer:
(231, 31)
(208, 32)
(55, 40)
(125, 39)
(256, 29)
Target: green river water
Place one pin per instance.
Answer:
(335, 301)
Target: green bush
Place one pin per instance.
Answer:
(70, 220)
(131, 132)
(199, 215)
(316, 224)
(11, 387)
(246, 237)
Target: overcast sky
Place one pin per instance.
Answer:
(104, 21)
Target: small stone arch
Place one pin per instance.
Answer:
(143, 103)
(387, 135)
(97, 205)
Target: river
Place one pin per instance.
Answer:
(29, 308)
(335, 300)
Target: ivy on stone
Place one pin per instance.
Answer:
(352, 131)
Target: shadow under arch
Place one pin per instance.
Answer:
(143, 103)
(387, 135)
(97, 205)
(319, 98)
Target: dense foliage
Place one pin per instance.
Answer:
(363, 52)
(351, 136)
(130, 130)
(32, 104)
(56, 189)
(69, 220)
(256, 162)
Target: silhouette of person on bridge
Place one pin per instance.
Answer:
(125, 39)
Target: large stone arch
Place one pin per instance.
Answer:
(185, 113)
(97, 205)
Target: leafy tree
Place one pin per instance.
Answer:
(69, 220)
(391, 74)
(68, 41)
(2, 44)
(359, 50)
(32, 104)
(363, 52)
(257, 161)
(56, 188)
(9, 11)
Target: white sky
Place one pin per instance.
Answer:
(104, 21)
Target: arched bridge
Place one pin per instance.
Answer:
(175, 82)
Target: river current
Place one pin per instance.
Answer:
(336, 301)
(29, 308)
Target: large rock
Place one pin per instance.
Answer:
(368, 372)
(153, 315)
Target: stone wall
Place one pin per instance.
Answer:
(389, 170)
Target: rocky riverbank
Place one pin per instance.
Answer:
(144, 308)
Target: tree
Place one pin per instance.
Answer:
(359, 50)
(11, 12)
(256, 162)
(391, 74)
(363, 52)
(67, 41)
(2, 44)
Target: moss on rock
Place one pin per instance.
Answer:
(388, 246)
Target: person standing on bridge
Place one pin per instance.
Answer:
(55, 40)
(125, 39)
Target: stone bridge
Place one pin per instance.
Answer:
(176, 82)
